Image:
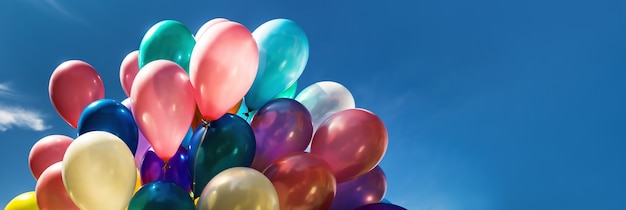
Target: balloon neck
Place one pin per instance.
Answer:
(165, 168)
(205, 123)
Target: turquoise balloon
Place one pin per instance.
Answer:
(161, 195)
(290, 93)
(283, 54)
(167, 40)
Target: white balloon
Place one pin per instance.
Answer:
(99, 172)
(322, 99)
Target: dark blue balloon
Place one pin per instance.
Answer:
(110, 116)
(222, 144)
(153, 169)
(161, 195)
(380, 206)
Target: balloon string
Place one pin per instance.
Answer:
(165, 168)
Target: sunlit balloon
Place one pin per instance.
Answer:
(325, 98)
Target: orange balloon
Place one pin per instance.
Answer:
(197, 119)
(302, 181)
(352, 142)
(235, 108)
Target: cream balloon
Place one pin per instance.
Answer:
(325, 98)
(239, 188)
(99, 172)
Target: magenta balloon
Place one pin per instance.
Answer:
(352, 141)
(281, 126)
(366, 189)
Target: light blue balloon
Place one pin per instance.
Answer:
(283, 54)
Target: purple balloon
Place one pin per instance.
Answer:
(365, 189)
(281, 126)
(380, 206)
(153, 169)
(142, 143)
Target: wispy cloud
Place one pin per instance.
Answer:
(16, 116)
(11, 117)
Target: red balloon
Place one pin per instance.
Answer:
(73, 85)
(365, 189)
(302, 181)
(50, 191)
(352, 142)
(47, 151)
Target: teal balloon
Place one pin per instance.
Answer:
(161, 195)
(283, 54)
(290, 93)
(224, 143)
(167, 40)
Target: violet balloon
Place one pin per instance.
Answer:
(365, 189)
(281, 126)
(153, 168)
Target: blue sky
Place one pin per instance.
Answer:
(488, 104)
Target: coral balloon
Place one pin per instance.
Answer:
(47, 151)
(99, 171)
(222, 67)
(365, 189)
(207, 25)
(73, 85)
(302, 181)
(352, 141)
(50, 191)
(281, 126)
(24, 201)
(284, 52)
(325, 98)
(239, 188)
(163, 105)
(128, 71)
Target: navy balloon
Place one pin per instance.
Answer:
(222, 144)
(110, 116)
(161, 195)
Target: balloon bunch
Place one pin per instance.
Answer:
(212, 121)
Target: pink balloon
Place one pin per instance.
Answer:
(73, 85)
(47, 151)
(352, 142)
(142, 143)
(50, 191)
(207, 25)
(222, 68)
(163, 105)
(128, 71)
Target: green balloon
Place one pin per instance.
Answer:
(225, 143)
(161, 195)
(167, 40)
(289, 92)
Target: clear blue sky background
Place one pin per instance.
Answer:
(489, 104)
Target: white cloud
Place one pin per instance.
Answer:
(11, 117)
(15, 116)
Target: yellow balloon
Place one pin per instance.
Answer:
(99, 171)
(239, 188)
(24, 201)
(137, 182)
